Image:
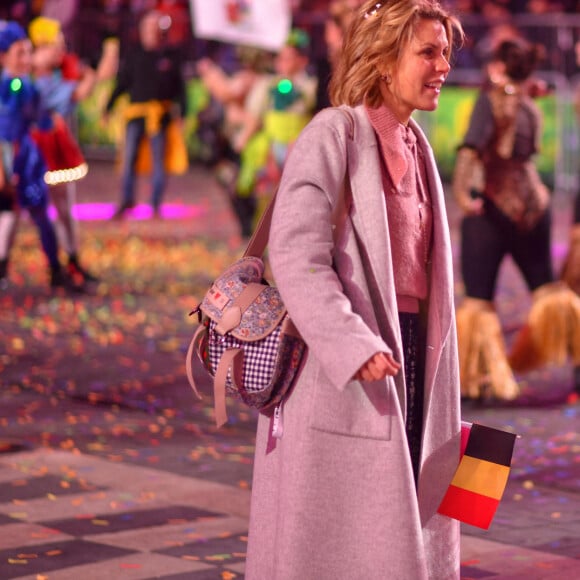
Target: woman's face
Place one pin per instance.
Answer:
(422, 68)
(50, 55)
(289, 61)
(17, 60)
(149, 31)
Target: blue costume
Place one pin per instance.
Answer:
(19, 108)
(20, 156)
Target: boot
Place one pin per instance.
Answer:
(59, 278)
(551, 334)
(77, 272)
(483, 364)
(122, 210)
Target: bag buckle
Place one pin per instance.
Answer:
(196, 310)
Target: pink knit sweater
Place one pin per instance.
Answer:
(409, 210)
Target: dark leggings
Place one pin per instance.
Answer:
(486, 240)
(39, 216)
(413, 336)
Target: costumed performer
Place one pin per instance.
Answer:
(23, 167)
(62, 81)
(277, 108)
(151, 75)
(509, 215)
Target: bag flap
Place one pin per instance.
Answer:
(261, 316)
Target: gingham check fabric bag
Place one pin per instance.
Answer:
(246, 340)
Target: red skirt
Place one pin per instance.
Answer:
(61, 153)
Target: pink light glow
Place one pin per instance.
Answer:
(104, 211)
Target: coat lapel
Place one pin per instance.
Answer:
(369, 217)
(369, 205)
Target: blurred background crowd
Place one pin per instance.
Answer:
(555, 23)
(87, 24)
(226, 117)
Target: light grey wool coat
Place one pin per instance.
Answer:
(334, 498)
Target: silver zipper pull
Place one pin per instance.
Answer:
(277, 424)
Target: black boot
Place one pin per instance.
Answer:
(122, 210)
(77, 272)
(59, 278)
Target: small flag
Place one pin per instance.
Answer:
(480, 480)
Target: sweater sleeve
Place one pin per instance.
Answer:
(122, 83)
(481, 125)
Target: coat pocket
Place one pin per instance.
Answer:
(361, 410)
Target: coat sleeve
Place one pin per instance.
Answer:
(301, 251)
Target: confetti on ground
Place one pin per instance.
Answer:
(102, 373)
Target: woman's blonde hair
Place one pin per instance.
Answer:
(376, 37)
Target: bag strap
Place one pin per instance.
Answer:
(259, 240)
(193, 348)
(231, 360)
(232, 316)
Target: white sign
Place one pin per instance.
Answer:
(261, 23)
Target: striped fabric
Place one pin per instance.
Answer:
(481, 477)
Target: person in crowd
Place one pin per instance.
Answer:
(571, 268)
(230, 93)
(339, 15)
(63, 81)
(277, 108)
(178, 21)
(360, 252)
(151, 74)
(508, 214)
(22, 165)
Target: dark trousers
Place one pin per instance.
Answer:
(413, 333)
(488, 238)
(134, 133)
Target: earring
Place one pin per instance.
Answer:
(386, 78)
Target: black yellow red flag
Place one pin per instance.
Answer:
(481, 477)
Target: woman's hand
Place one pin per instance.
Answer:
(473, 206)
(378, 367)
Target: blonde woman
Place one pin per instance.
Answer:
(371, 429)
